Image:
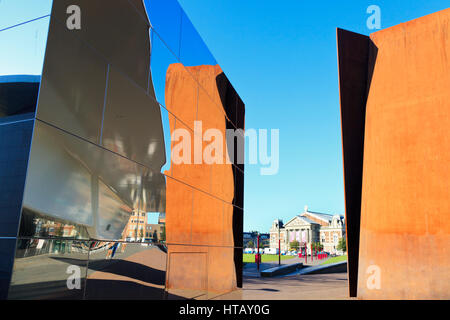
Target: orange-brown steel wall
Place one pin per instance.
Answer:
(405, 210)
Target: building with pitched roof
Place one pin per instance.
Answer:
(309, 227)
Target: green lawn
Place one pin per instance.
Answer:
(248, 257)
(335, 259)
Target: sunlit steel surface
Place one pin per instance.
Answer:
(89, 188)
(399, 77)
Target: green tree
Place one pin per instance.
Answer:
(250, 244)
(342, 245)
(294, 245)
(317, 246)
(263, 244)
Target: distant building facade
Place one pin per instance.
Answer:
(309, 227)
(252, 236)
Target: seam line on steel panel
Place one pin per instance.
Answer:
(25, 22)
(136, 84)
(134, 161)
(181, 35)
(17, 121)
(104, 104)
(149, 78)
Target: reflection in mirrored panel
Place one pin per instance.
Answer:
(238, 225)
(229, 100)
(132, 123)
(193, 51)
(85, 185)
(165, 116)
(14, 12)
(73, 103)
(153, 191)
(49, 269)
(239, 187)
(15, 140)
(22, 48)
(120, 270)
(18, 97)
(161, 60)
(101, 181)
(7, 249)
(119, 34)
(165, 18)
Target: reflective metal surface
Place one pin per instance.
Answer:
(42, 269)
(120, 270)
(161, 59)
(132, 123)
(165, 18)
(103, 191)
(14, 12)
(119, 34)
(73, 103)
(15, 140)
(23, 47)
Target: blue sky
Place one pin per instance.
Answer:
(281, 58)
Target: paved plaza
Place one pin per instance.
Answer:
(331, 286)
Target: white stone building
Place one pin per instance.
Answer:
(309, 227)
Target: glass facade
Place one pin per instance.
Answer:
(92, 203)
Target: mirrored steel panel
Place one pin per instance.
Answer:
(193, 51)
(49, 269)
(105, 192)
(7, 249)
(119, 34)
(18, 97)
(161, 59)
(238, 187)
(230, 101)
(165, 18)
(86, 186)
(120, 270)
(165, 119)
(15, 140)
(132, 123)
(73, 84)
(14, 12)
(22, 47)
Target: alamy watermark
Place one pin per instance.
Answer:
(73, 21)
(74, 279)
(374, 20)
(211, 147)
(374, 277)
